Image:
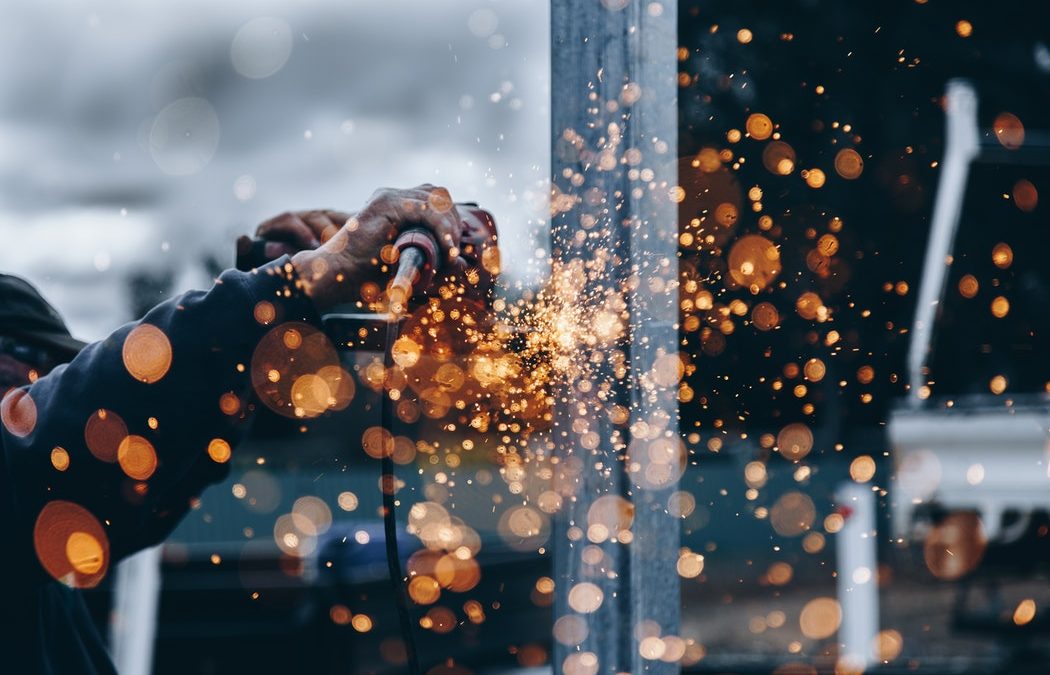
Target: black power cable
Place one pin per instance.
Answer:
(389, 487)
(419, 252)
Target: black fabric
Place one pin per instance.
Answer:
(44, 626)
(25, 314)
(48, 630)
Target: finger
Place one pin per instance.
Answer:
(439, 214)
(290, 228)
(443, 226)
(402, 209)
(324, 224)
(439, 199)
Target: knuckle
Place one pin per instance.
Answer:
(285, 220)
(317, 219)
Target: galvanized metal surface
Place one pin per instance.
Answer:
(614, 169)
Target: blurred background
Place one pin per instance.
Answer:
(819, 127)
(137, 140)
(140, 139)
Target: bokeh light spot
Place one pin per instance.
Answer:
(59, 458)
(820, 618)
(137, 457)
(147, 353)
(71, 544)
(219, 450)
(585, 597)
(103, 434)
(18, 413)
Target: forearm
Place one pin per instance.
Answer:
(168, 387)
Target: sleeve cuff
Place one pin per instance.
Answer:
(277, 293)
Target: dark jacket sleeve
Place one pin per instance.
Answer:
(62, 435)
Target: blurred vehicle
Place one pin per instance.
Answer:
(971, 495)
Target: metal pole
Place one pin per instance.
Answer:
(962, 144)
(614, 220)
(857, 580)
(136, 598)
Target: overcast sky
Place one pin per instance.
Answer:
(146, 135)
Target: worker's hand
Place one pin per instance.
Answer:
(291, 232)
(354, 254)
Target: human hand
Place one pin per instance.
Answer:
(361, 248)
(287, 234)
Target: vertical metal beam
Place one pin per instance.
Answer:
(614, 220)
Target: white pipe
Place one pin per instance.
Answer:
(136, 596)
(961, 147)
(857, 578)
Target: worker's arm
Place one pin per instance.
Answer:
(115, 444)
(123, 430)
